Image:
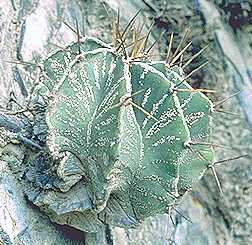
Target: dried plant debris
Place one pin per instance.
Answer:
(121, 136)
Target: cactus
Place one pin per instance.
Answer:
(121, 142)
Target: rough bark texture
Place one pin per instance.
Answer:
(27, 30)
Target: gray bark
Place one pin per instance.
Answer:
(28, 29)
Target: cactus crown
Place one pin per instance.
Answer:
(128, 135)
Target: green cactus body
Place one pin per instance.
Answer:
(135, 164)
(197, 110)
(79, 117)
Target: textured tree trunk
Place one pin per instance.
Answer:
(28, 31)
